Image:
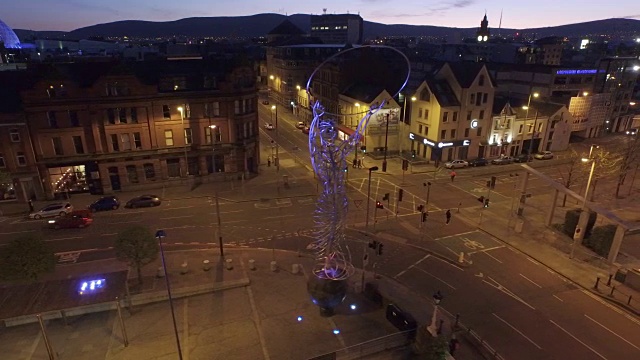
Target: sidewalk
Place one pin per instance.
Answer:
(221, 314)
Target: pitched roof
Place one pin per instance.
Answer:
(286, 28)
(363, 92)
(465, 72)
(443, 92)
(542, 108)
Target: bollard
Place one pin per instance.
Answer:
(629, 301)
(206, 266)
(229, 263)
(440, 327)
(455, 325)
(597, 282)
(461, 257)
(160, 273)
(613, 288)
(252, 264)
(609, 281)
(274, 265)
(184, 268)
(295, 268)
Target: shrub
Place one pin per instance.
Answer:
(601, 239)
(571, 219)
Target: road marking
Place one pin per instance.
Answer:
(177, 227)
(531, 281)
(558, 298)
(410, 266)
(448, 263)
(578, 340)
(491, 256)
(126, 212)
(180, 207)
(176, 217)
(276, 217)
(435, 277)
(17, 232)
(516, 330)
(125, 222)
(533, 261)
(227, 212)
(185, 328)
(69, 238)
(611, 331)
(456, 235)
(111, 234)
(506, 291)
(493, 248)
(615, 309)
(234, 221)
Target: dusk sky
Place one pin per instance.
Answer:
(72, 14)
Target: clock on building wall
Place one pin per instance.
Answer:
(474, 123)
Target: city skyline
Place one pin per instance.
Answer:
(454, 13)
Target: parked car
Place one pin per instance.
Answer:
(523, 158)
(143, 201)
(478, 162)
(455, 164)
(269, 126)
(300, 125)
(105, 203)
(544, 155)
(51, 210)
(502, 160)
(71, 221)
(265, 102)
(306, 130)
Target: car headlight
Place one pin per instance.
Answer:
(52, 221)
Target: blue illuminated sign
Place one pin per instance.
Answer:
(91, 286)
(577, 72)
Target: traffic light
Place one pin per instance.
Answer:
(405, 165)
(413, 153)
(424, 216)
(379, 205)
(386, 197)
(373, 244)
(400, 192)
(486, 203)
(380, 246)
(420, 208)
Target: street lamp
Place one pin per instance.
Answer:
(578, 234)
(533, 132)
(277, 159)
(159, 235)
(526, 116)
(184, 132)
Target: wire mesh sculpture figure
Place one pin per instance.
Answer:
(329, 160)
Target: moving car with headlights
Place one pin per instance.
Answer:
(502, 160)
(544, 155)
(143, 201)
(456, 164)
(71, 221)
(269, 126)
(52, 210)
(478, 162)
(300, 125)
(105, 203)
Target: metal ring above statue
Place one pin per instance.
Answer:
(329, 160)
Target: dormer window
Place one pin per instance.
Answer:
(481, 80)
(425, 95)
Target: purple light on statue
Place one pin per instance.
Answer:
(91, 286)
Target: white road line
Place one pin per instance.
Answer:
(493, 248)
(185, 328)
(176, 217)
(109, 234)
(17, 232)
(516, 330)
(410, 266)
(227, 212)
(615, 309)
(531, 281)
(437, 278)
(126, 212)
(234, 221)
(558, 298)
(126, 222)
(276, 217)
(533, 261)
(180, 207)
(69, 238)
(578, 340)
(448, 263)
(493, 257)
(456, 235)
(611, 331)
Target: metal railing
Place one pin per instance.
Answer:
(370, 347)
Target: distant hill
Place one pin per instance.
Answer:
(261, 24)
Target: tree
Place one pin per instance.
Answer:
(607, 164)
(629, 153)
(573, 173)
(136, 246)
(26, 258)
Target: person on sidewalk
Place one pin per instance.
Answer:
(269, 161)
(30, 206)
(448, 215)
(453, 175)
(355, 163)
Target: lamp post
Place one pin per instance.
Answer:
(404, 120)
(433, 327)
(371, 169)
(186, 160)
(277, 159)
(578, 234)
(526, 116)
(386, 138)
(355, 153)
(159, 235)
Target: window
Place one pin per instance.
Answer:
(132, 174)
(51, 116)
(2, 163)
(166, 113)
(188, 136)
(426, 114)
(14, 134)
(137, 140)
(419, 129)
(236, 107)
(481, 116)
(485, 96)
(426, 130)
(508, 124)
(126, 142)
(445, 116)
(466, 132)
(478, 98)
(425, 95)
(481, 80)
(111, 116)
(472, 99)
(520, 129)
(168, 137)
(187, 111)
(443, 134)
(455, 116)
(469, 115)
(173, 168)
(479, 132)
(149, 171)
(134, 115)
(122, 115)
(73, 118)
(453, 133)
(77, 144)
(539, 127)
(419, 112)
(22, 160)
(115, 143)
(207, 135)
(57, 146)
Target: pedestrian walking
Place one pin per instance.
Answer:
(30, 206)
(355, 163)
(359, 163)
(268, 160)
(448, 215)
(453, 175)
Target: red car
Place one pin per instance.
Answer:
(70, 221)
